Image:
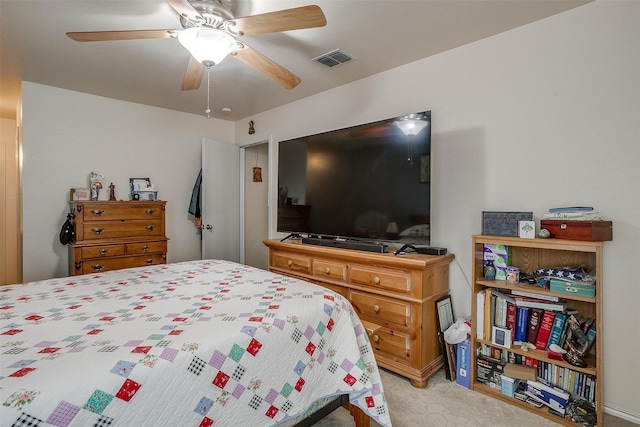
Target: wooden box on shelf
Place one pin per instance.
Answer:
(529, 255)
(112, 235)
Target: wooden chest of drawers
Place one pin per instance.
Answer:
(115, 235)
(394, 297)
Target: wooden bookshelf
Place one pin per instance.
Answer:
(529, 255)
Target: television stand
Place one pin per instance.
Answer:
(393, 296)
(337, 242)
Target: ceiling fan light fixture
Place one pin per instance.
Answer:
(207, 45)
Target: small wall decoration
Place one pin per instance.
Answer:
(251, 128)
(257, 170)
(257, 174)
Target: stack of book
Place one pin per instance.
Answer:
(534, 318)
(538, 319)
(575, 213)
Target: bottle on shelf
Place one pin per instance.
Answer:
(489, 270)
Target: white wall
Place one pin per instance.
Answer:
(545, 115)
(67, 135)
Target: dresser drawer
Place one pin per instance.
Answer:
(330, 270)
(102, 251)
(292, 262)
(106, 211)
(123, 228)
(107, 264)
(397, 346)
(145, 247)
(381, 278)
(381, 310)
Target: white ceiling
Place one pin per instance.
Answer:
(381, 34)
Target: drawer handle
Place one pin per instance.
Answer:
(104, 251)
(149, 228)
(375, 338)
(289, 263)
(327, 270)
(97, 267)
(145, 248)
(376, 308)
(148, 261)
(97, 212)
(376, 280)
(149, 211)
(97, 230)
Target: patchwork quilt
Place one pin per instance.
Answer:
(199, 343)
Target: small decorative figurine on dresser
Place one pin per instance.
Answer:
(112, 193)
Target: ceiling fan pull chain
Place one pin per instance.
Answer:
(208, 110)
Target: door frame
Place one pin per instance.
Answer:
(257, 140)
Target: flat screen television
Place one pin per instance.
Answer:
(370, 182)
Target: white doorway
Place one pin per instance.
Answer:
(254, 209)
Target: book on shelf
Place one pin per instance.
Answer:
(511, 319)
(559, 323)
(546, 322)
(545, 297)
(503, 295)
(480, 315)
(489, 312)
(522, 323)
(591, 337)
(539, 303)
(535, 315)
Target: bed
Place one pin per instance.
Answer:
(198, 343)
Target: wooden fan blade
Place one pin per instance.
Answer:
(284, 20)
(183, 7)
(261, 63)
(193, 75)
(99, 36)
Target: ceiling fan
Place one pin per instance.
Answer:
(210, 33)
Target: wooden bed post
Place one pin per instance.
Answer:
(361, 419)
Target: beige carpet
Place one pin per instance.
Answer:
(446, 404)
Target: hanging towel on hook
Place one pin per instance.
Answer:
(194, 205)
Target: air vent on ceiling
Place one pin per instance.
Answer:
(333, 58)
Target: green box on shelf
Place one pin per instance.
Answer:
(572, 287)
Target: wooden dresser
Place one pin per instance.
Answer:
(115, 235)
(394, 297)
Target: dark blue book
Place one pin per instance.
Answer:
(522, 323)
